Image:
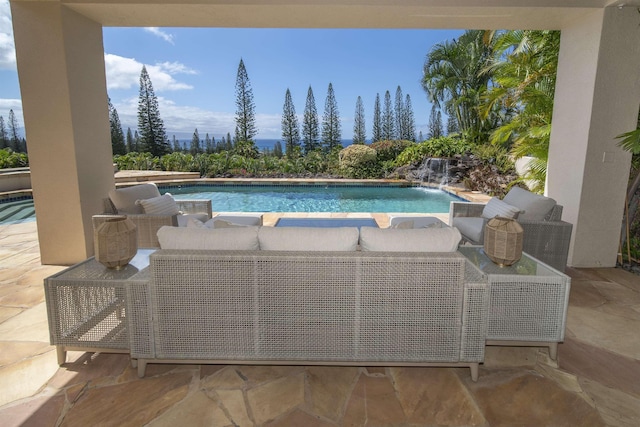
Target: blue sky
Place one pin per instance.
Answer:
(193, 71)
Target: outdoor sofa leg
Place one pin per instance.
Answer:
(62, 354)
(474, 372)
(142, 367)
(553, 351)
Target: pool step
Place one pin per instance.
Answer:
(16, 211)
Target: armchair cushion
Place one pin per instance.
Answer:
(496, 207)
(472, 228)
(183, 219)
(533, 207)
(124, 199)
(431, 239)
(161, 205)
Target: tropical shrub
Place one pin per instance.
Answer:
(490, 154)
(440, 147)
(389, 150)
(11, 159)
(358, 161)
(136, 161)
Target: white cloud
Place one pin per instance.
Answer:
(124, 73)
(159, 33)
(7, 47)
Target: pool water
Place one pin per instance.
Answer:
(286, 198)
(314, 198)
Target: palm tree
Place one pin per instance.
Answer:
(523, 72)
(453, 77)
(631, 141)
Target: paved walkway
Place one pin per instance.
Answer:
(596, 382)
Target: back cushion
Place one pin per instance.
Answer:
(445, 239)
(124, 199)
(533, 207)
(241, 238)
(308, 239)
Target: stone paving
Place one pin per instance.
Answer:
(595, 383)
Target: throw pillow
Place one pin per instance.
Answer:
(444, 239)
(308, 239)
(124, 199)
(496, 207)
(403, 225)
(241, 238)
(163, 205)
(195, 223)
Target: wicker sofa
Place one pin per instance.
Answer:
(256, 304)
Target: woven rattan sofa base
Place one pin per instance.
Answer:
(329, 308)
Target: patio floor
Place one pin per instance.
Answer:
(596, 381)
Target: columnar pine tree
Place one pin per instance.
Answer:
(377, 121)
(435, 123)
(400, 130)
(277, 149)
(209, 144)
(331, 136)
(420, 137)
(176, 144)
(130, 144)
(195, 143)
(246, 128)
(290, 126)
(409, 121)
(136, 142)
(359, 131)
(452, 125)
(388, 119)
(310, 132)
(117, 136)
(14, 138)
(152, 133)
(4, 140)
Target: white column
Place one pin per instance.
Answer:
(64, 97)
(597, 98)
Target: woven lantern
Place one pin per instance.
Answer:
(115, 242)
(503, 240)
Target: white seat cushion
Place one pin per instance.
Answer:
(124, 199)
(496, 207)
(308, 239)
(533, 207)
(241, 238)
(472, 228)
(430, 239)
(418, 221)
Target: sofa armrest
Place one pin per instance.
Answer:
(193, 206)
(465, 209)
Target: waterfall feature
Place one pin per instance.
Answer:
(434, 171)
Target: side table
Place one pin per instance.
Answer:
(86, 305)
(528, 301)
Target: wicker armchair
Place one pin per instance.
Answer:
(546, 240)
(148, 224)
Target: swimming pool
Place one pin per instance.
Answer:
(316, 198)
(286, 198)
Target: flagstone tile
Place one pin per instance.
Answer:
(620, 276)
(25, 377)
(258, 374)
(618, 409)
(525, 398)
(233, 402)
(374, 402)
(503, 356)
(14, 351)
(39, 411)
(585, 294)
(618, 334)
(329, 388)
(132, 404)
(22, 296)
(226, 378)
(195, 410)
(30, 325)
(7, 313)
(302, 419)
(435, 396)
(36, 276)
(601, 365)
(90, 368)
(275, 398)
